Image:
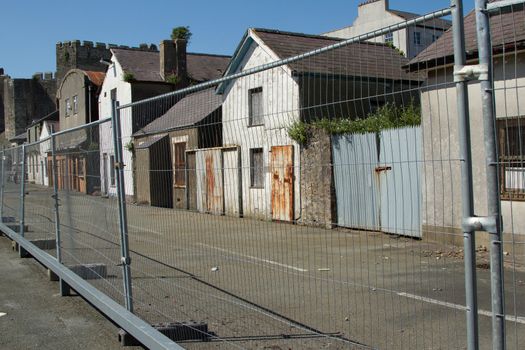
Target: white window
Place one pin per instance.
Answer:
(417, 38)
(256, 113)
(256, 168)
(389, 37)
(68, 106)
(75, 104)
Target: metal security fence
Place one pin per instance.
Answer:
(325, 193)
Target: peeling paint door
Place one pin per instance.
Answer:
(210, 197)
(282, 183)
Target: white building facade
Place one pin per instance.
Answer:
(376, 14)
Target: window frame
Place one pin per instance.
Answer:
(389, 37)
(417, 38)
(510, 161)
(255, 120)
(254, 182)
(68, 106)
(75, 104)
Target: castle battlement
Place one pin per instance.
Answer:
(103, 46)
(46, 76)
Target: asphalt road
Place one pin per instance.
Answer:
(269, 285)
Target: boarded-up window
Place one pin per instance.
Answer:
(256, 168)
(511, 134)
(112, 170)
(179, 163)
(256, 106)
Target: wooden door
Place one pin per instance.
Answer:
(81, 171)
(282, 197)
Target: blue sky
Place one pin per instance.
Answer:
(29, 29)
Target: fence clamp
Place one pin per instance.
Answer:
(471, 72)
(481, 223)
(119, 165)
(125, 261)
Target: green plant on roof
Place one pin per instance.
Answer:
(181, 33)
(128, 77)
(388, 116)
(173, 79)
(392, 46)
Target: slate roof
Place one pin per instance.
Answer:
(145, 65)
(189, 111)
(151, 141)
(364, 59)
(51, 116)
(507, 29)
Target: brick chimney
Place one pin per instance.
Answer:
(173, 59)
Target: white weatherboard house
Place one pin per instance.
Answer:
(134, 75)
(376, 14)
(259, 108)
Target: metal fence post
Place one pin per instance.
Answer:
(2, 186)
(55, 196)
(491, 163)
(467, 188)
(22, 191)
(121, 196)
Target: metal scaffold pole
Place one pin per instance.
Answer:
(469, 240)
(121, 196)
(491, 163)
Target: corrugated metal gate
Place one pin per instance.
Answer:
(377, 180)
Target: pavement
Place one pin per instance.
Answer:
(34, 316)
(266, 285)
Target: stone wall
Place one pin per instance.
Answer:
(26, 100)
(86, 55)
(318, 205)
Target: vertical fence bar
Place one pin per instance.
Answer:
(121, 196)
(469, 241)
(22, 191)
(54, 176)
(2, 186)
(491, 163)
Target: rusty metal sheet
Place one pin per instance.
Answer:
(282, 197)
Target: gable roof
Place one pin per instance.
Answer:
(97, 78)
(51, 116)
(363, 59)
(145, 65)
(189, 111)
(507, 31)
(436, 23)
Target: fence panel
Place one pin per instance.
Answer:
(255, 207)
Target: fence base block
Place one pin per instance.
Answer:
(90, 271)
(52, 276)
(45, 244)
(22, 253)
(176, 331)
(16, 227)
(65, 289)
